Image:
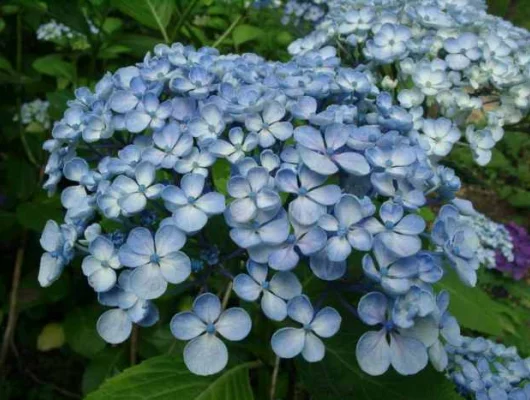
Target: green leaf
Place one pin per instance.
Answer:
(113, 51)
(5, 64)
(474, 309)
(221, 175)
(111, 25)
(139, 44)
(338, 376)
(105, 365)
(167, 378)
(151, 13)
(51, 337)
(21, 178)
(81, 334)
(246, 33)
(520, 198)
(7, 221)
(33, 215)
(55, 66)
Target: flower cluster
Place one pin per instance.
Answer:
(494, 239)
(63, 35)
(35, 112)
(519, 264)
(488, 370)
(441, 59)
(297, 11)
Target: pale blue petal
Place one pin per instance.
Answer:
(300, 309)
(234, 324)
(211, 203)
(175, 267)
(192, 185)
(305, 211)
(283, 259)
(148, 282)
(438, 356)
(408, 355)
(141, 241)
(102, 280)
(285, 285)
(273, 307)
(411, 224)
(326, 322)
(325, 269)
(169, 239)
(205, 355)
(372, 308)
(314, 350)
(114, 326)
(207, 307)
(186, 325)
(137, 121)
(50, 269)
(133, 203)
(373, 353)
(312, 241)
(246, 288)
(190, 219)
(102, 248)
(338, 249)
(288, 342)
(352, 163)
(360, 239)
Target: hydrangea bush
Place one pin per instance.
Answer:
(311, 170)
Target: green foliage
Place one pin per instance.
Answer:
(81, 334)
(167, 378)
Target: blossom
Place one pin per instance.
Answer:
(170, 145)
(206, 354)
(269, 125)
(58, 242)
(101, 264)
(156, 261)
(289, 342)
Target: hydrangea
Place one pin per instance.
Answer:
(211, 162)
(516, 262)
(34, 113)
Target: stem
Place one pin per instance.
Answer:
(184, 17)
(349, 307)
(13, 300)
(133, 351)
(274, 379)
(226, 297)
(228, 31)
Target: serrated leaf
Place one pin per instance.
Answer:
(51, 337)
(338, 376)
(151, 13)
(246, 33)
(167, 378)
(55, 66)
(81, 334)
(103, 366)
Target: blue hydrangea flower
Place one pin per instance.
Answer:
(322, 154)
(101, 264)
(197, 84)
(208, 126)
(196, 162)
(441, 134)
(252, 194)
(191, 209)
(346, 232)
(78, 170)
(376, 351)
(462, 51)
(389, 43)
(289, 342)
(269, 125)
(58, 242)
(399, 232)
(170, 145)
(312, 197)
(237, 147)
(206, 354)
(134, 193)
(157, 260)
(149, 113)
(283, 285)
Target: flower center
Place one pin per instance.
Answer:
(155, 258)
(210, 328)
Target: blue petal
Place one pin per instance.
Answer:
(327, 322)
(114, 326)
(373, 353)
(137, 121)
(408, 355)
(205, 355)
(175, 267)
(207, 307)
(186, 325)
(50, 269)
(314, 349)
(288, 342)
(273, 307)
(325, 269)
(300, 309)
(246, 288)
(147, 282)
(169, 239)
(234, 324)
(372, 308)
(285, 285)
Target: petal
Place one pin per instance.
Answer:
(325, 269)
(338, 249)
(400, 245)
(243, 210)
(51, 236)
(258, 177)
(314, 349)
(103, 279)
(192, 185)
(141, 241)
(360, 239)
(268, 199)
(102, 248)
(211, 203)
(186, 325)
(391, 212)
(286, 180)
(148, 282)
(234, 324)
(205, 355)
(273, 307)
(411, 224)
(408, 355)
(285, 285)
(133, 203)
(169, 239)
(288, 342)
(438, 356)
(238, 187)
(131, 259)
(310, 138)
(300, 309)
(327, 195)
(123, 101)
(207, 307)
(326, 322)
(372, 308)
(312, 241)
(373, 353)
(50, 269)
(352, 163)
(175, 267)
(281, 130)
(137, 121)
(275, 232)
(305, 211)
(283, 259)
(114, 326)
(246, 287)
(317, 162)
(190, 219)
(145, 173)
(348, 210)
